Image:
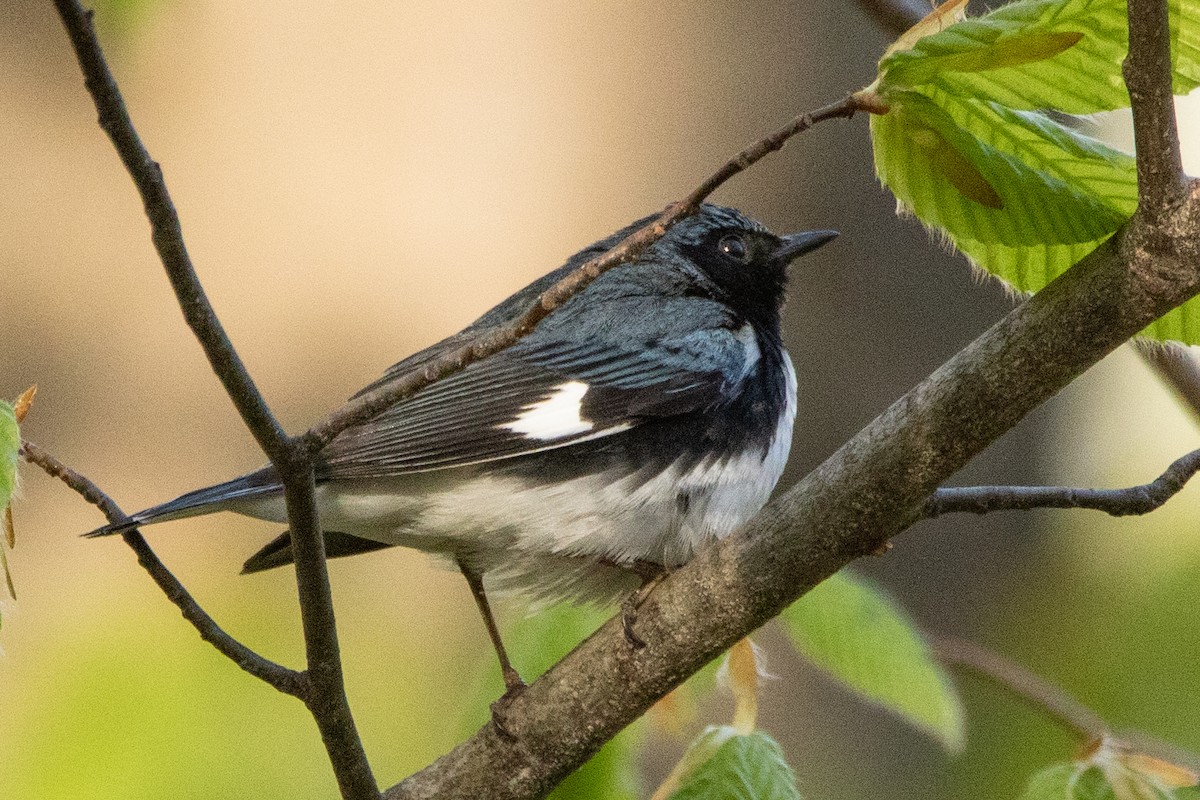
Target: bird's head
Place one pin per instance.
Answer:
(738, 254)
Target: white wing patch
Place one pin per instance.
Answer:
(555, 417)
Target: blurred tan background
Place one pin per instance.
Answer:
(356, 182)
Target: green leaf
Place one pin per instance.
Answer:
(964, 149)
(926, 156)
(1101, 186)
(10, 442)
(724, 765)
(1037, 54)
(861, 637)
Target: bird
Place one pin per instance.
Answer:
(650, 415)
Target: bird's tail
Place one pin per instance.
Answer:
(201, 501)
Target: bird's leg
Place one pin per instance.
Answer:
(652, 575)
(513, 685)
(512, 680)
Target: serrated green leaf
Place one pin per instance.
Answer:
(1104, 176)
(1020, 194)
(860, 636)
(1038, 54)
(1035, 207)
(724, 765)
(1092, 190)
(10, 443)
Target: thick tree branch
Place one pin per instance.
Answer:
(285, 680)
(873, 488)
(1131, 501)
(1033, 689)
(490, 342)
(1147, 70)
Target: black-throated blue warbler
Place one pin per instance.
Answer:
(649, 415)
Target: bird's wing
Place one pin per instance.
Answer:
(563, 384)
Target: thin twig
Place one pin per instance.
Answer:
(285, 680)
(1131, 501)
(1035, 690)
(490, 342)
(326, 696)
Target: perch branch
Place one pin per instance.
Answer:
(874, 487)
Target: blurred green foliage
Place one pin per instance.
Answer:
(860, 635)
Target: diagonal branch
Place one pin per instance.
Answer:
(872, 489)
(285, 680)
(491, 342)
(1130, 501)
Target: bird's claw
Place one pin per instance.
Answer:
(515, 686)
(628, 618)
(652, 575)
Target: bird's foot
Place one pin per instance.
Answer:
(652, 575)
(514, 686)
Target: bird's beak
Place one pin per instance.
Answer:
(795, 245)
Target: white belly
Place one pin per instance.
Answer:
(542, 537)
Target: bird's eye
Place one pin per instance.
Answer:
(734, 246)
